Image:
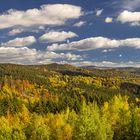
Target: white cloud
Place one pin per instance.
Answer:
(106, 64)
(80, 23)
(130, 5)
(131, 42)
(18, 30)
(15, 31)
(99, 12)
(51, 14)
(133, 18)
(56, 36)
(107, 50)
(135, 24)
(17, 55)
(24, 55)
(109, 20)
(41, 28)
(45, 55)
(95, 43)
(72, 57)
(19, 42)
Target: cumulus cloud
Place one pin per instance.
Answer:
(17, 55)
(51, 14)
(25, 55)
(18, 30)
(109, 20)
(80, 23)
(53, 55)
(96, 43)
(19, 42)
(133, 18)
(15, 31)
(56, 36)
(99, 12)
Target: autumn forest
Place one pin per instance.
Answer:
(63, 102)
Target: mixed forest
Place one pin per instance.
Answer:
(63, 102)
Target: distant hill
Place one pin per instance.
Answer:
(39, 72)
(65, 78)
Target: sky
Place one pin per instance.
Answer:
(78, 32)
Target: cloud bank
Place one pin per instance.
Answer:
(96, 43)
(50, 14)
(25, 55)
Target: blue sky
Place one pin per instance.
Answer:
(78, 32)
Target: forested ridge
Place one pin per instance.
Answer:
(63, 102)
